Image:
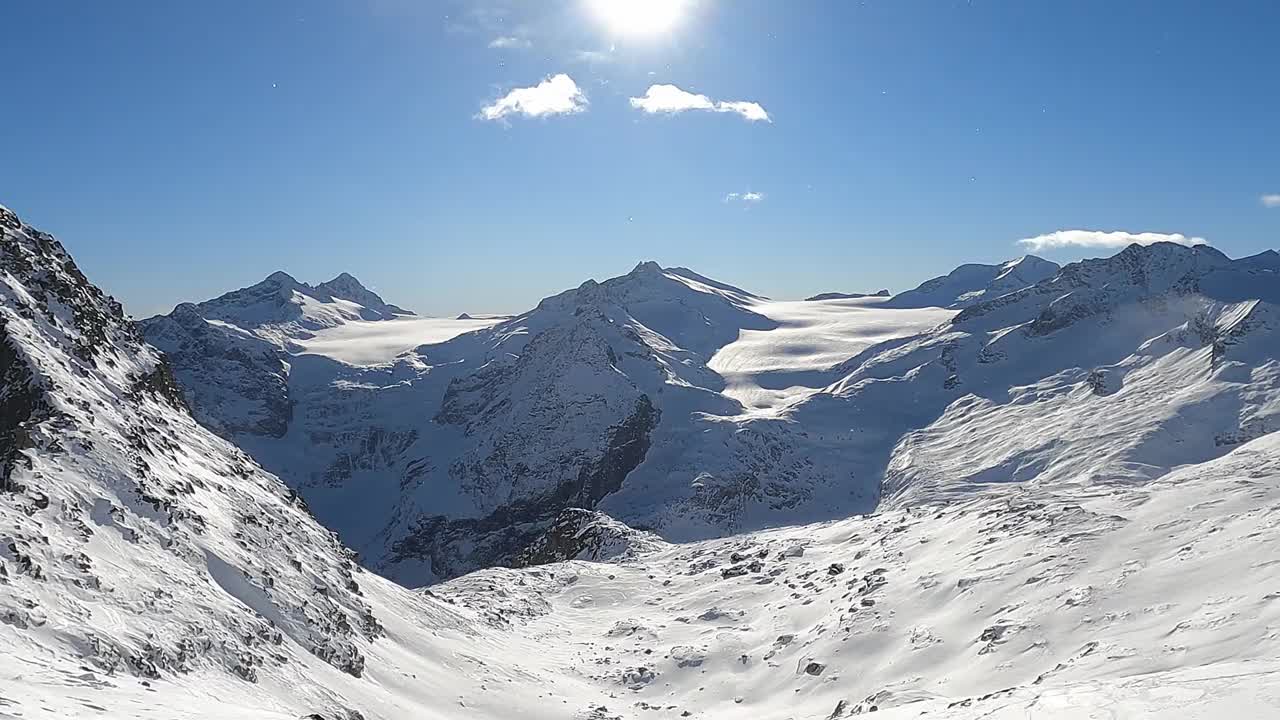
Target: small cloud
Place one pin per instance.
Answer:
(1104, 239)
(749, 110)
(556, 95)
(1272, 200)
(746, 197)
(671, 99)
(510, 42)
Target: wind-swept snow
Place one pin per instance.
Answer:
(1149, 602)
(1082, 511)
(364, 342)
(695, 409)
(767, 370)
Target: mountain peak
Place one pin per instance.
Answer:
(972, 283)
(647, 266)
(279, 277)
(346, 287)
(346, 280)
(1029, 261)
(1267, 259)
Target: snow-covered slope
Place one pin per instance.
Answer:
(295, 309)
(133, 541)
(659, 396)
(695, 409)
(973, 283)
(233, 355)
(1157, 600)
(150, 569)
(768, 371)
(554, 409)
(363, 342)
(1122, 368)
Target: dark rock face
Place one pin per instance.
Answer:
(578, 534)
(454, 546)
(21, 403)
(45, 269)
(161, 383)
(845, 296)
(234, 382)
(72, 304)
(625, 449)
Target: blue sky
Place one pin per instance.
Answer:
(183, 149)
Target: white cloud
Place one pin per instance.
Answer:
(749, 110)
(1271, 201)
(509, 42)
(746, 197)
(671, 99)
(556, 95)
(1104, 239)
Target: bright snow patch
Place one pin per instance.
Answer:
(364, 342)
(766, 370)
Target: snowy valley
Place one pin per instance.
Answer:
(1018, 490)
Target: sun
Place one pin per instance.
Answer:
(638, 17)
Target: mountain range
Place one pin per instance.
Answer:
(1018, 485)
(456, 455)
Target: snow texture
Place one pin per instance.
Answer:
(1059, 500)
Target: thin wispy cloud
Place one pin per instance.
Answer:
(556, 95)
(1104, 239)
(593, 56)
(510, 42)
(746, 197)
(669, 99)
(1271, 200)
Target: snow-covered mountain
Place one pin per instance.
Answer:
(695, 409)
(233, 355)
(1115, 369)
(458, 455)
(1058, 535)
(295, 308)
(973, 283)
(133, 541)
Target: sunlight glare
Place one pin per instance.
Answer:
(638, 17)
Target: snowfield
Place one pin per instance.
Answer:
(366, 342)
(696, 409)
(1152, 602)
(1049, 493)
(767, 370)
